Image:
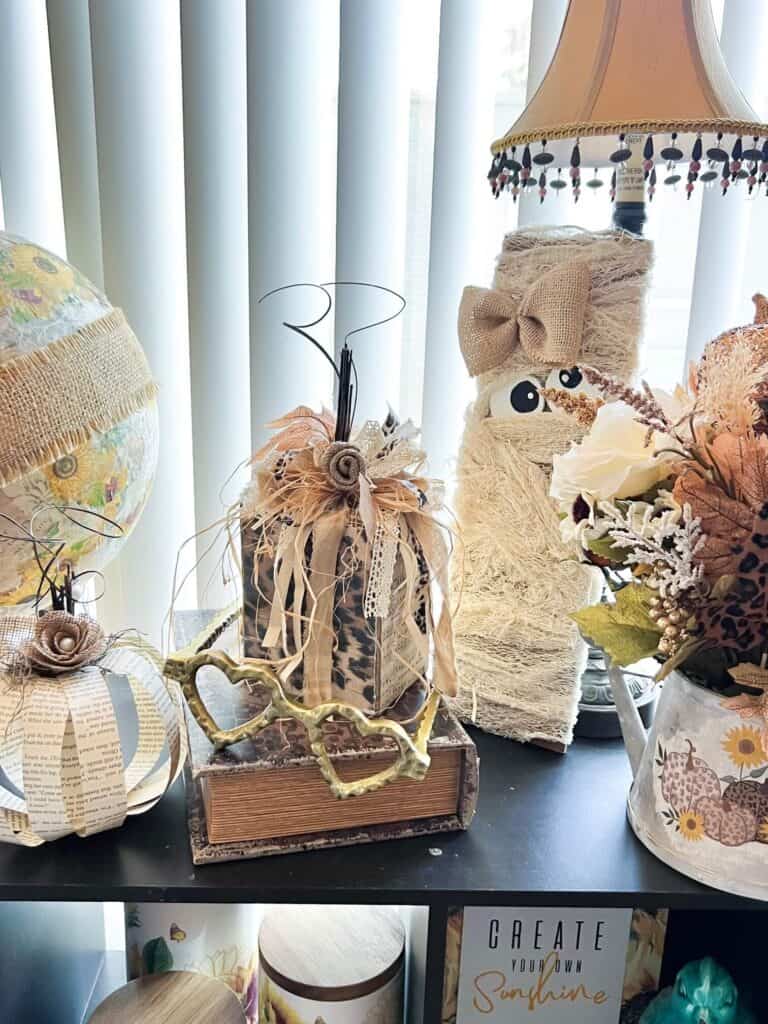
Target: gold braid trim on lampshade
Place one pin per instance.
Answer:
(581, 129)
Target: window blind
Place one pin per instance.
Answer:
(192, 156)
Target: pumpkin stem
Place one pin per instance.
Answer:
(690, 766)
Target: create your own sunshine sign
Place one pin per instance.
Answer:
(542, 965)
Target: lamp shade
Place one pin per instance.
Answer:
(625, 68)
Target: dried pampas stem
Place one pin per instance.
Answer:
(643, 402)
(582, 407)
(730, 380)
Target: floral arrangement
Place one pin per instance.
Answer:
(668, 495)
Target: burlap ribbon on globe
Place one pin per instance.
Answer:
(305, 498)
(547, 323)
(52, 400)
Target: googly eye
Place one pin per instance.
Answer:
(571, 378)
(517, 398)
(565, 378)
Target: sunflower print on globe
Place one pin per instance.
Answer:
(45, 306)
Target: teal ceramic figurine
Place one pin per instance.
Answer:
(703, 993)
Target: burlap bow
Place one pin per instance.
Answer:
(547, 322)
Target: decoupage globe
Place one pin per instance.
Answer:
(43, 299)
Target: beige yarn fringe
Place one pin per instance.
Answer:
(518, 652)
(54, 399)
(519, 655)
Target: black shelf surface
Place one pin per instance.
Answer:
(550, 830)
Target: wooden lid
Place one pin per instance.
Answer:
(331, 953)
(175, 997)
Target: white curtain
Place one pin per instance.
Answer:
(192, 155)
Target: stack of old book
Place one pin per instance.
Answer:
(266, 795)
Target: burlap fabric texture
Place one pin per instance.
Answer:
(54, 399)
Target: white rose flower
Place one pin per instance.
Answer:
(612, 461)
(578, 534)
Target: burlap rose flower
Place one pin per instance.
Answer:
(344, 463)
(63, 643)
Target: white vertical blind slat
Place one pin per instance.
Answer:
(422, 45)
(70, 42)
(463, 123)
(371, 191)
(215, 148)
(29, 162)
(547, 18)
(718, 291)
(292, 81)
(136, 52)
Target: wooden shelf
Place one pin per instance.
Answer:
(550, 829)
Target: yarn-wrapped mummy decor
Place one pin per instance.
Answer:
(561, 297)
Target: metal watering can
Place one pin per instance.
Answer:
(699, 796)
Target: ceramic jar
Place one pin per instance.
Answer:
(219, 940)
(331, 965)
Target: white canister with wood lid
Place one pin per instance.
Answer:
(331, 965)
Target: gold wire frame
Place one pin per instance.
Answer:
(413, 759)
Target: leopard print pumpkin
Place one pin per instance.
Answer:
(685, 779)
(725, 822)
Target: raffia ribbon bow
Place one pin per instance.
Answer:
(547, 323)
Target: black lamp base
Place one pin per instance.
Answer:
(629, 216)
(598, 717)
